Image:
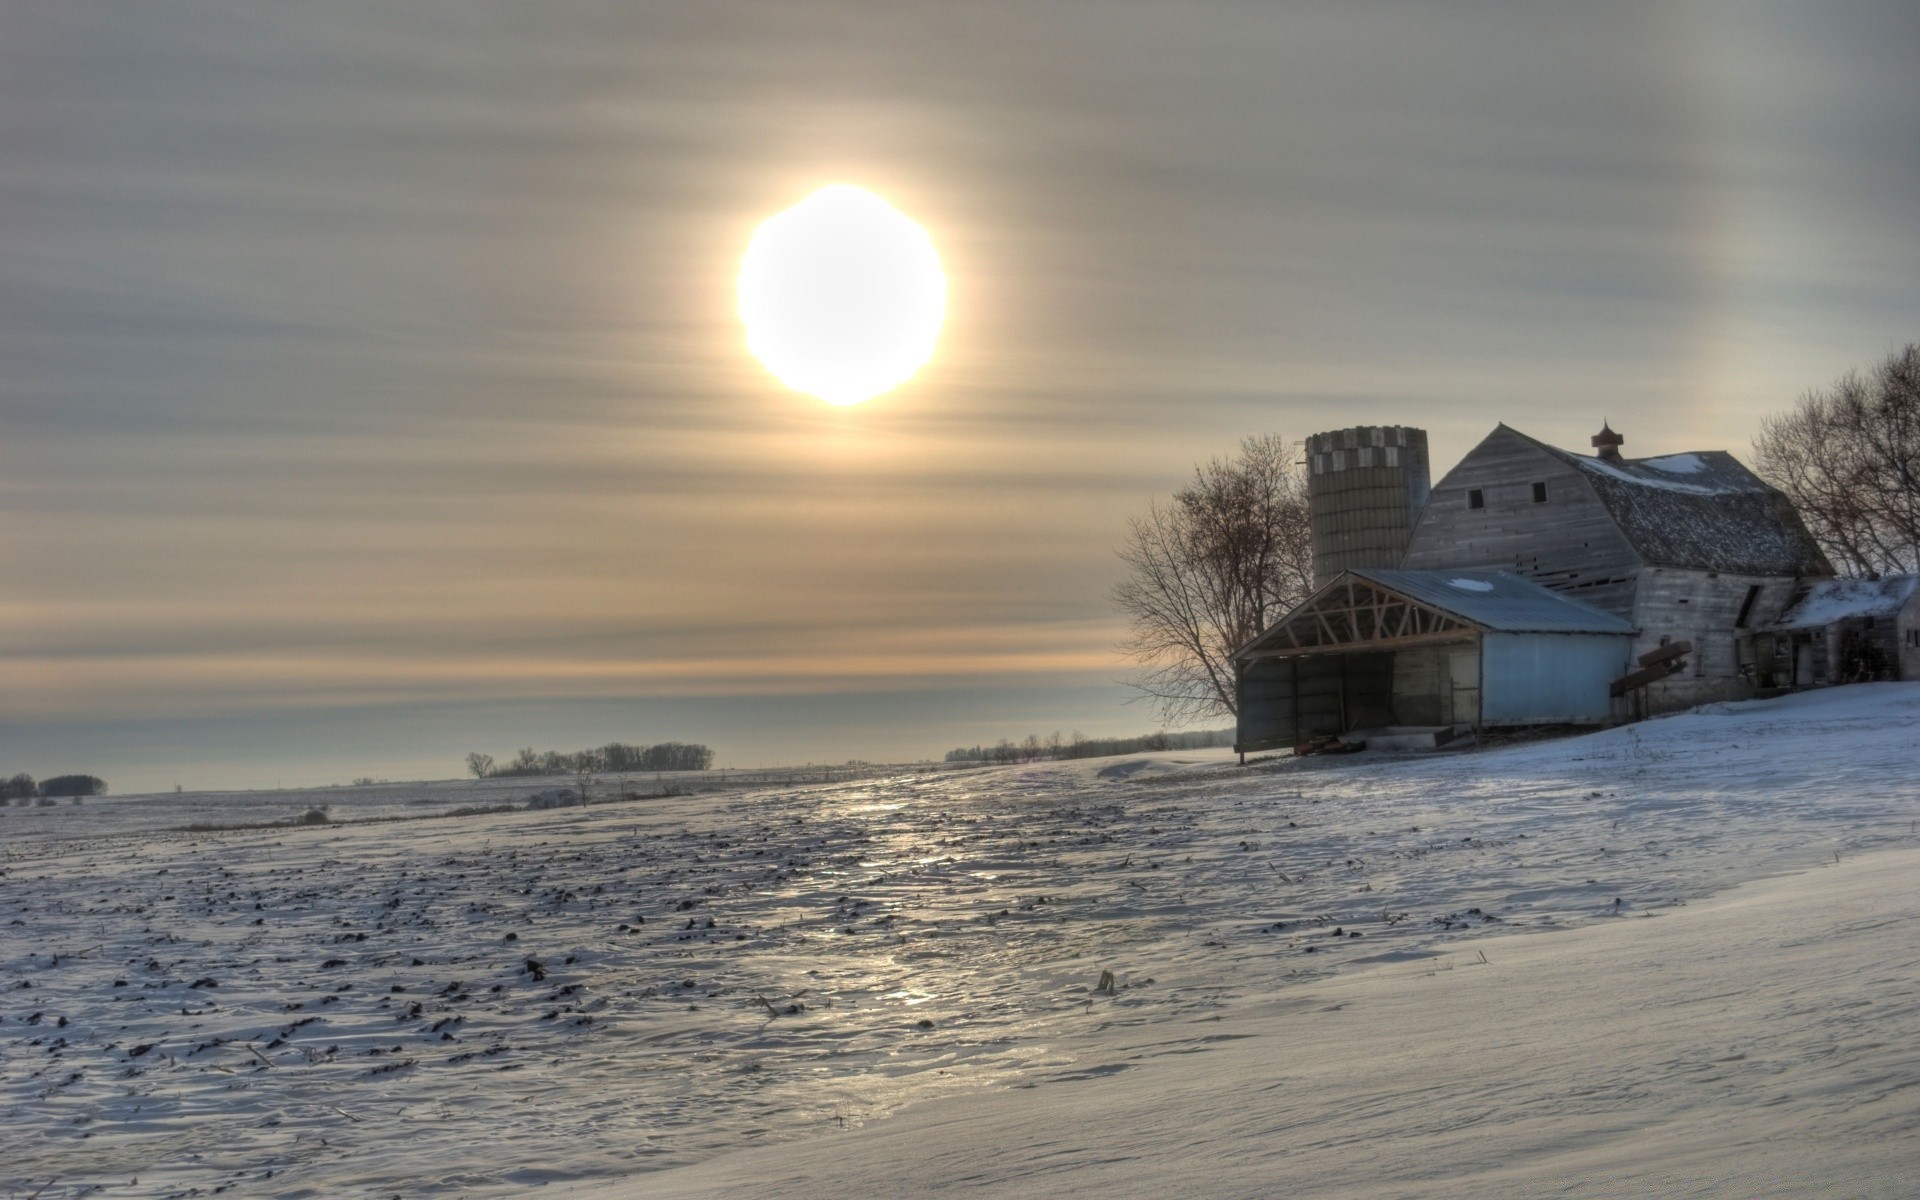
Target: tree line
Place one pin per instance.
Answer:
(23, 787)
(1038, 749)
(612, 758)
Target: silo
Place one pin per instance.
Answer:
(1365, 488)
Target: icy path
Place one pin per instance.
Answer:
(470, 1008)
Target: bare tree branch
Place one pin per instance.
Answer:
(1207, 571)
(1849, 459)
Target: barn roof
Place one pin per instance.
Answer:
(1704, 510)
(1833, 600)
(1498, 601)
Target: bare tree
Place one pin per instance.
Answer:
(480, 764)
(1848, 457)
(1210, 569)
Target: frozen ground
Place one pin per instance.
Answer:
(357, 1011)
(1761, 1043)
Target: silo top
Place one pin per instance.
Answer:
(1365, 446)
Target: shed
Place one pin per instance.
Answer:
(1844, 631)
(1376, 647)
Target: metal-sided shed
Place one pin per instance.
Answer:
(1376, 647)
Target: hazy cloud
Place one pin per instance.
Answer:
(358, 354)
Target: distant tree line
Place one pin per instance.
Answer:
(612, 758)
(23, 787)
(1036, 748)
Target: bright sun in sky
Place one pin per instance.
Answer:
(842, 295)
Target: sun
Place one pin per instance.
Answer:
(842, 295)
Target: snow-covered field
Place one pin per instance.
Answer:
(473, 1006)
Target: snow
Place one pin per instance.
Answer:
(1761, 1044)
(1676, 464)
(1622, 471)
(1470, 585)
(1833, 600)
(924, 948)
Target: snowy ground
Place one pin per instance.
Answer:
(356, 1010)
(1763, 1043)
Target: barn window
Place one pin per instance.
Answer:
(1746, 607)
(1539, 493)
(1476, 499)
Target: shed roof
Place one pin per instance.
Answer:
(1498, 600)
(1703, 509)
(1832, 600)
(1374, 606)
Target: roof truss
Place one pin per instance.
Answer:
(1352, 612)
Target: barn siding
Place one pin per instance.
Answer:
(1569, 543)
(1418, 695)
(1908, 625)
(1702, 607)
(1285, 701)
(1266, 716)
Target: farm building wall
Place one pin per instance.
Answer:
(1567, 542)
(1550, 678)
(1284, 701)
(1418, 675)
(1437, 685)
(1704, 607)
(1858, 650)
(1907, 625)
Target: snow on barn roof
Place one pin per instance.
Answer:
(1702, 509)
(1497, 600)
(1833, 600)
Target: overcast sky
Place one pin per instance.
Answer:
(371, 391)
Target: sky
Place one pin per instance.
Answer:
(371, 387)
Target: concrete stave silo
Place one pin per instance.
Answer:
(1365, 488)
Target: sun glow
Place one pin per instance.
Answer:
(842, 295)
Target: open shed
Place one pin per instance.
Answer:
(1376, 647)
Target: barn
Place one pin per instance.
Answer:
(1390, 649)
(1529, 583)
(1689, 547)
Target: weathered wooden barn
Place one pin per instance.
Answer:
(1685, 558)
(1686, 547)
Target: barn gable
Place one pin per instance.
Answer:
(1488, 512)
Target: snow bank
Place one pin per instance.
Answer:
(1765, 1043)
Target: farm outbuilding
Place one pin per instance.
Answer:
(1843, 631)
(1376, 648)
